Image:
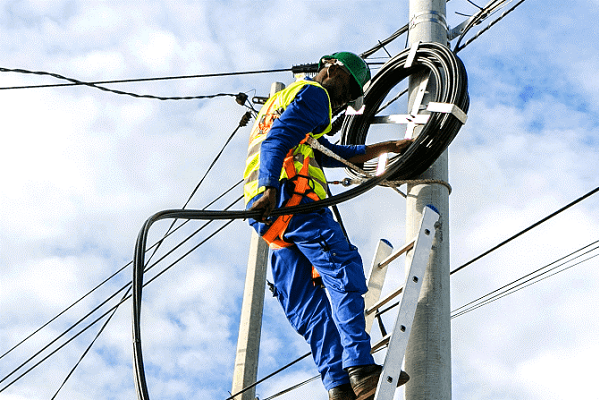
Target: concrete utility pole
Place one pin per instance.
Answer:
(428, 356)
(245, 372)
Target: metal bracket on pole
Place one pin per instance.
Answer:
(376, 279)
(398, 340)
(457, 31)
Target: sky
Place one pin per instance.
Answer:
(84, 168)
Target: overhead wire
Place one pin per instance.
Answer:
(51, 320)
(508, 289)
(528, 280)
(243, 122)
(492, 7)
(522, 232)
(95, 84)
(112, 309)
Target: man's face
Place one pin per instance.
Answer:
(338, 85)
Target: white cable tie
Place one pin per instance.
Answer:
(448, 109)
(412, 54)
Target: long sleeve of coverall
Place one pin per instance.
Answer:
(309, 112)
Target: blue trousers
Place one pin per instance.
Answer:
(335, 329)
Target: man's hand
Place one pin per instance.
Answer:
(265, 204)
(399, 146)
(375, 150)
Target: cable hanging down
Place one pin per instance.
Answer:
(243, 122)
(440, 129)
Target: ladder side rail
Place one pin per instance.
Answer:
(398, 341)
(376, 279)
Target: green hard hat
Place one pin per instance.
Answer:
(356, 66)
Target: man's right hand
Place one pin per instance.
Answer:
(265, 204)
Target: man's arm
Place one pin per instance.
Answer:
(375, 150)
(308, 111)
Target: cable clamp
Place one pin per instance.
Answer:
(448, 109)
(418, 182)
(311, 68)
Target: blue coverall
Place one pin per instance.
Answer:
(334, 330)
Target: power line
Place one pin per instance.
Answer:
(127, 287)
(483, 14)
(76, 82)
(106, 281)
(527, 280)
(476, 19)
(243, 122)
(592, 192)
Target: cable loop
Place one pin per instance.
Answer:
(451, 82)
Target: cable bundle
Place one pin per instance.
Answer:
(451, 82)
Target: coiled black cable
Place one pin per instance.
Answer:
(449, 76)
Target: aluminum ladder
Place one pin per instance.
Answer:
(397, 340)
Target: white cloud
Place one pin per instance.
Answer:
(83, 169)
(560, 374)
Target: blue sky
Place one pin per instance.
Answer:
(84, 168)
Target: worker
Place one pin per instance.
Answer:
(281, 171)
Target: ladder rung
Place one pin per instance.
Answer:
(407, 247)
(381, 343)
(384, 300)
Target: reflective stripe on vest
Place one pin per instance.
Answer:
(272, 110)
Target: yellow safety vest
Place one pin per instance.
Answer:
(272, 109)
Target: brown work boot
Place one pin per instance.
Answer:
(342, 392)
(365, 379)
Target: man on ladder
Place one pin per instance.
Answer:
(283, 170)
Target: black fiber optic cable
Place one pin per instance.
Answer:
(436, 135)
(450, 78)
